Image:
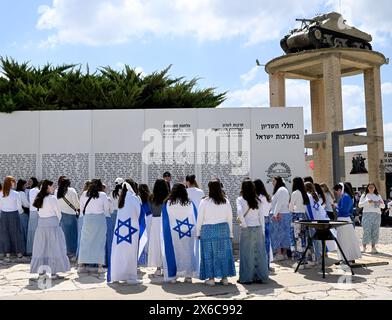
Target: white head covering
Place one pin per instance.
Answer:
(342, 184)
(119, 181)
(129, 187)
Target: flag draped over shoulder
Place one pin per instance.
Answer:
(144, 223)
(125, 245)
(180, 246)
(316, 211)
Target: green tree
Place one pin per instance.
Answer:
(23, 87)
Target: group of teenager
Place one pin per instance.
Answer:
(176, 228)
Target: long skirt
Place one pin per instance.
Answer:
(281, 232)
(80, 225)
(109, 240)
(33, 222)
(299, 236)
(253, 255)
(93, 239)
(154, 243)
(267, 237)
(49, 249)
(216, 250)
(69, 224)
(114, 218)
(24, 227)
(10, 235)
(348, 241)
(371, 222)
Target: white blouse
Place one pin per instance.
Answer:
(211, 213)
(23, 197)
(280, 201)
(72, 197)
(371, 207)
(254, 217)
(95, 206)
(11, 203)
(296, 204)
(50, 208)
(265, 205)
(114, 201)
(195, 195)
(32, 194)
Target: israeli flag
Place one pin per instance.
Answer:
(180, 246)
(144, 222)
(125, 245)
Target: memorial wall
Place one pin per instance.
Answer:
(228, 143)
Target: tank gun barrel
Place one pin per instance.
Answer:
(304, 20)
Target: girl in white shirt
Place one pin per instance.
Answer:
(265, 200)
(280, 220)
(372, 203)
(298, 202)
(195, 194)
(69, 205)
(215, 229)
(253, 256)
(24, 216)
(11, 208)
(49, 249)
(94, 205)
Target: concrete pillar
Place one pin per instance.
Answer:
(375, 131)
(277, 90)
(333, 104)
(320, 173)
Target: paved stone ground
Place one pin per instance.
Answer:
(373, 280)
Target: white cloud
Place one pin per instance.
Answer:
(388, 136)
(100, 22)
(386, 88)
(250, 75)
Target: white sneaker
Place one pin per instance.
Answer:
(134, 282)
(210, 282)
(158, 273)
(224, 282)
(374, 251)
(188, 280)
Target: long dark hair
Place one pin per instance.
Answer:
(178, 194)
(94, 189)
(216, 193)
(160, 192)
(261, 190)
(192, 180)
(310, 189)
(348, 188)
(20, 185)
(279, 184)
(248, 192)
(63, 185)
(121, 200)
(116, 191)
(375, 188)
(320, 192)
(42, 194)
(144, 193)
(35, 182)
(298, 184)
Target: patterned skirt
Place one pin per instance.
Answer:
(216, 251)
(281, 232)
(49, 249)
(299, 236)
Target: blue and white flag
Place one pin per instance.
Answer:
(144, 223)
(125, 245)
(316, 211)
(180, 246)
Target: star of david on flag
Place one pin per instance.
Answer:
(183, 223)
(131, 230)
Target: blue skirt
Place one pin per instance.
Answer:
(281, 232)
(109, 240)
(24, 227)
(33, 223)
(267, 236)
(10, 235)
(216, 251)
(114, 218)
(80, 225)
(69, 224)
(253, 256)
(93, 239)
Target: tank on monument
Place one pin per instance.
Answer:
(325, 31)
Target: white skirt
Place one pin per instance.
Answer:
(348, 241)
(154, 243)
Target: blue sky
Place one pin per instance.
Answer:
(216, 40)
